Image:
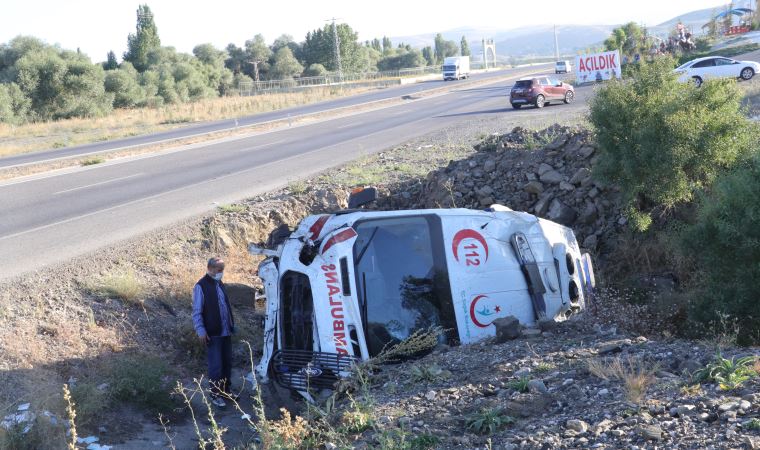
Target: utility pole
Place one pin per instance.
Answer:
(336, 49)
(556, 46)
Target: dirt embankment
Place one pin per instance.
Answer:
(79, 324)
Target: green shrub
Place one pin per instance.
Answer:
(661, 140)
(90, 403)
(488, 421)
(729, 374)
(725, 242)
(520, 385)
(141, 380)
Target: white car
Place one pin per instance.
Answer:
(702, 69)
(343, 286)
(562, 67)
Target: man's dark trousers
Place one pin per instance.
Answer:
(219, 352)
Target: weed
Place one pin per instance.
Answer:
(634, 374)
(139, 379)
(488, 421)
(729, 374)
(231, 209)
(544, 367)
(90, 403)
(520, 385)
(358, 418)
(92, 161)
(123, 285)
(691, 390)
(297, 187)
(753, 424)
(428, 373)
(71, 414)
(401, 439)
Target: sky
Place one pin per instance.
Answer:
(97, 26)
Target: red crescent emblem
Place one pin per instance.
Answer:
(467, 234)
(472, 311)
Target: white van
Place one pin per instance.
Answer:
(343, 286)
(562, 67)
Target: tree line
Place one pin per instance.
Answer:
(40, 82)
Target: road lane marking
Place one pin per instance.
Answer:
(98, 184)
(262, 145)
(348, 125)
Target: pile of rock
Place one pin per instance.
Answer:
(552, 181)
(545, 382)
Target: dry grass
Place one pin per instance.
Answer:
(130, 122)
(751, 100)
(635, 375)
(123, 285)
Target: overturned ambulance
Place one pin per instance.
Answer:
(343, 286)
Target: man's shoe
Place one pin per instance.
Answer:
(217, 401)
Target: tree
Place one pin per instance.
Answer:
(212, 66)
(285, 64)
(315, 70)
(236, 58)
(286, 40)
(257, 54)
(429, 56)
(123, 84)
(728, 18)
(111, 63)
(379, 47)
(387, 45)
(444, 48)
(403, 59)
(143, 41)
(662, 141)
(319, 49)
(465, 47)
(712, 25)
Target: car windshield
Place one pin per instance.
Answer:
(524, 84)
(450, 67)
(401, 273)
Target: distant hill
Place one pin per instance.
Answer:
(520, 42)
(693, 20)
(539, 40)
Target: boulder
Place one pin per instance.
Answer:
(551, 177)
(580, 175)
(534, 187)
(559, 212)
(507, 329)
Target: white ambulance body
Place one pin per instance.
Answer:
(343, 286)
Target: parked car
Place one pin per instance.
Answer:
(342, 287)
(539, 91)
(562, 67)
(701, 69)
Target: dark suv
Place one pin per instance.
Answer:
(539, 91)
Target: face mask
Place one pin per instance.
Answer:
(218, 276)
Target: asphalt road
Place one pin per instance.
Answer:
(56, 216)
(229, 124)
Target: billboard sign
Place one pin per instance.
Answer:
(597, 66)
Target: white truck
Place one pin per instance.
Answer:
(456, 67)
(343, 286)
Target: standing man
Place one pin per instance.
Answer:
(214, 324)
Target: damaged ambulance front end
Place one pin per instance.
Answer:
(343, 286)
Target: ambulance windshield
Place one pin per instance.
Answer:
(402, 279)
